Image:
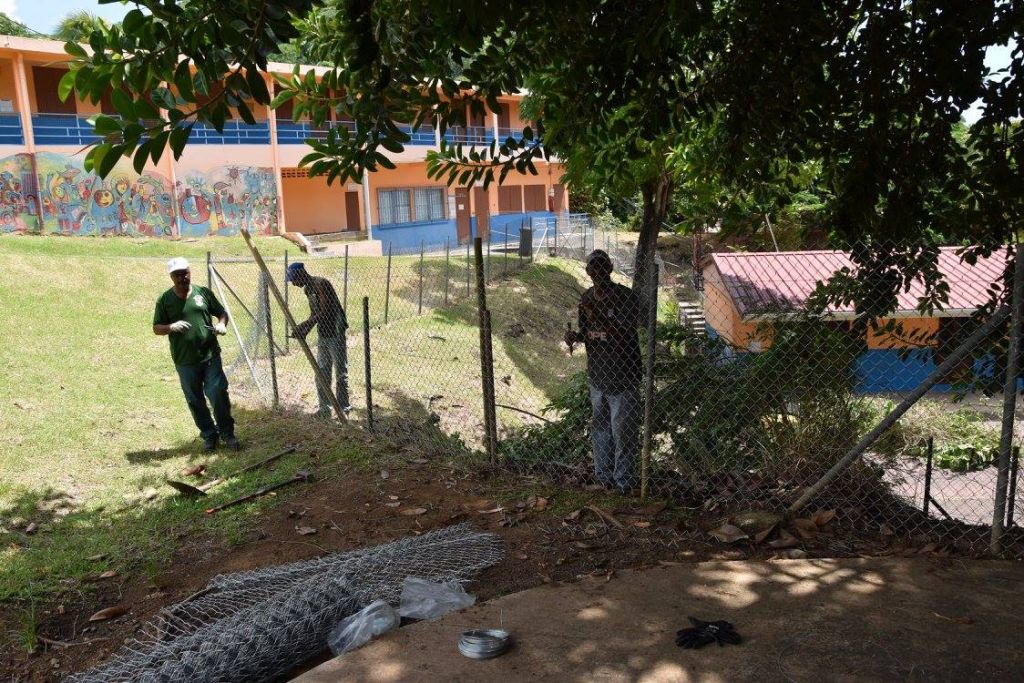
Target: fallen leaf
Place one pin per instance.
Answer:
(96, 558)
(394, 504)
(640, 524)
(411, 512)
(785, 540)
(194, 471)
(522, 556)
(541, 503)
(572, 516)
(109, 574)
(763, 534)
(384, 474)
(419, 461)
(305, 530)
(823, 517)
(392, 497)
(727, 533)
(491, 512)
(582, 545)
(805, 528)
(31, 528)
(109, 613)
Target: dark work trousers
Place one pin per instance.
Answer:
(207, 381)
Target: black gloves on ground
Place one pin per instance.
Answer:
(704, 632)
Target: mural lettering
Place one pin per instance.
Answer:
(225, 199)
(125, 203)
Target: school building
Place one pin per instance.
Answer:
(746, 294)
(245, 176)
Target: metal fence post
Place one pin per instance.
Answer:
(652, 326)
(344, 283)
(928, 475)
(487, 262)
(504, 256)
(209, 270)
(1012, 488)
(486, 357)
(265, 304)
(387, 288)
(469, 264)
(287, 329)
(447, 266)
(366, 362)
(1009, 401)
(419, 309)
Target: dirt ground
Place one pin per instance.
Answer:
(801, 620)
(551, 537)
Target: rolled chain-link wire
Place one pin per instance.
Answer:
(260, 624)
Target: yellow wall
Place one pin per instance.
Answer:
(310, 206)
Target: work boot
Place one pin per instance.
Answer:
(232, 442)
(210, 444)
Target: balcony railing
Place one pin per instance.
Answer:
(423, 136)
(62, 129)
(506, 133)
(297, 132)
(10, 130)
(235, 133)
(470, 135)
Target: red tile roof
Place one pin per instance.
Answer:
(765, 282)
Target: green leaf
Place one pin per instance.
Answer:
(383, 161)
(109, 160)
(183, 80)
(245, 113)
(122, 102)
(179, 138)
(106, 125)
(218, 116)
(75, 50)
(67, 84)
(257, 85)
(159, 145)
(391, 145)
(95, 156)
(282, 97)
(141, 156)
(133, 21)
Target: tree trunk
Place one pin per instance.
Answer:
(655, 194)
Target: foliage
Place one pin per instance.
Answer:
(10, 27)
(962, 442)
(79, 26)
(566, 439)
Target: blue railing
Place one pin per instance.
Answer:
(235, 133)
(297, 132)
(470, 135)
(10, 130)
(506, 133)
(62, 129)
(423, 136)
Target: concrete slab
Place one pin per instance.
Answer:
(803, 620)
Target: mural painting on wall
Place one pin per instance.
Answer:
(225, 199)
(124, 203)
(19, 208)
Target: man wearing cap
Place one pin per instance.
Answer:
(192, 317)
(328, 316)
(609, 316)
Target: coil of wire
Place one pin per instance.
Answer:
(484, 643)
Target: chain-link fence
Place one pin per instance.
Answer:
(749, 401)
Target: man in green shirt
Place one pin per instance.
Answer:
(192, 317)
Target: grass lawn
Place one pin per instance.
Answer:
(94, 421)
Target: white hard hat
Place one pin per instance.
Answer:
(177, 263)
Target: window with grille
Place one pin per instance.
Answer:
(394, 206)
(429, 203)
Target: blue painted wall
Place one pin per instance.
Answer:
(407, 237)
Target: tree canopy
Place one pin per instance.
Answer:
(737, 98)
(78, 26)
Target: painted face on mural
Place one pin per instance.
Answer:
(103, 198)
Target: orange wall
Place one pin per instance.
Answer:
(311, 206)
(722, 316)
(919, 330)
(7, 90)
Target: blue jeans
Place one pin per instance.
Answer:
(332, 357)
(614, 433)
(207, 381)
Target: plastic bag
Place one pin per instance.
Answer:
(357, 629)
(422, 599)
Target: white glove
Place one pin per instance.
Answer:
(220, 328)
(180, 326)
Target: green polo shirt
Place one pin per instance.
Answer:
(198, 344)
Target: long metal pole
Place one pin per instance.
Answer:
(344, 283)
(1011, 491)
(469, 264)
(486, 357)
(652, 320)
(387, 288)
(209, 270)
(287, 330)
(447, 266)
(317, 372)
(928, 475)
(224, 283)
(504, 256)
(366, 362)
(1009, 402)
(265, 304)
(997, 318)
(419, 308)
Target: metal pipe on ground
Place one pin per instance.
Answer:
(997, 318)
